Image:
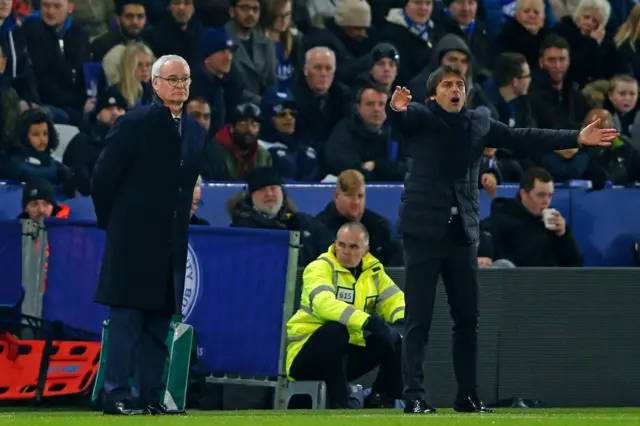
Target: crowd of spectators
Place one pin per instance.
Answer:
(303, 85)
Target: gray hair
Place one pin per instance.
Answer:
(601, 5)
(520, 4)
(161, 61)
(357, 226)
(319, 50)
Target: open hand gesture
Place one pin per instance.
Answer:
(594, 136)
(400, 99)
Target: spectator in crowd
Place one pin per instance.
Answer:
(214, 165)
(255, 55)
(623, 103)
(412, 31)
(507, 91)
(619, 163)
(197, 202)
(348, 322)
(178, 33)
(216, 79)
(459, 18)
(363, 142)
(9, 102)
(17, 69)
(131, 17)
(83, 150)
(30, 155)
(627, 42)
(451, 50)
(240, 142)
(267, 206)
(486, 256)
(293, 159)
(524, 32)
(58, 48)
(496, 13)
(519, 231)
(322, 102)
(556, 101)
(276, 22)
(385, 60)
(593, 53)
(345, 33)
(135, 74)
(111, 65)
(349, 205)
(95, 16)
(38, 202)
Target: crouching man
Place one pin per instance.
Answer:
(348, 322)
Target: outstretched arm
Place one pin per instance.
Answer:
(542, 140)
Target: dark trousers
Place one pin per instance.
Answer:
(136, 348)
(329, 357)
(456, 260)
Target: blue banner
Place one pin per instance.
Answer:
(75, 257)
(11, 263)
(607, 210)
(234, 290)
(234, 294)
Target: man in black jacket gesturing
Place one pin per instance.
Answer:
(439, 218)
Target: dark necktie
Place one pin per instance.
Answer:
(177, 121)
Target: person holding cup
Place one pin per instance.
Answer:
(527, 231)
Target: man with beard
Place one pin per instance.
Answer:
(240, 141)
(256, 56)
(131, 17)
(266, 206)
(438, 219)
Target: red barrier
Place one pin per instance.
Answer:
(19, 377)
(72, 367)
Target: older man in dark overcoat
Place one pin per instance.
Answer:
(142, 191)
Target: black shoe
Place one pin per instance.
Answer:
(161, 409)
(378, 400)
(418, 406)
(470, 405)
(124, 408)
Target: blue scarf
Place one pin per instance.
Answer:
(467, 29)
(421, 30)
(8, 25)
(65, 27)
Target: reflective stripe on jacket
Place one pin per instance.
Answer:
(330, 292)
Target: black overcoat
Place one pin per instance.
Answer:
(142, 188)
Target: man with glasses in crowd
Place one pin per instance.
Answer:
(142, 191)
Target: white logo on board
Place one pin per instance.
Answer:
(191, 284)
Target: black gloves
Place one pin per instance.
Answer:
(376, 331)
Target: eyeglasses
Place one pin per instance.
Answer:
(176, 81)
(198, 203)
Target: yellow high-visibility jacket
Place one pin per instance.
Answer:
(331, 293)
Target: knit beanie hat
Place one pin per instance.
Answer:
(353, 13)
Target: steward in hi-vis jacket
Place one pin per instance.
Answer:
(346, 325)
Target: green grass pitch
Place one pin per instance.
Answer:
(559, 417)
